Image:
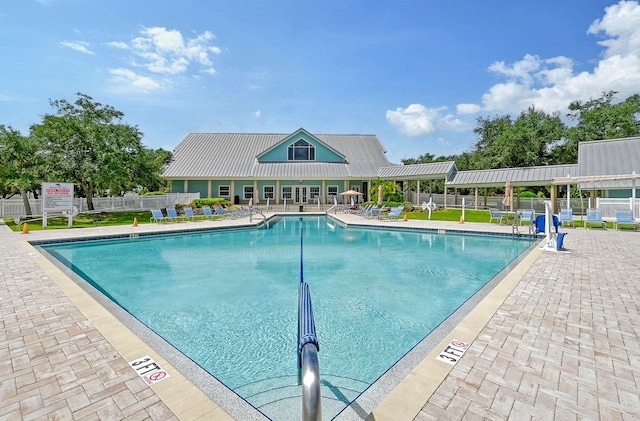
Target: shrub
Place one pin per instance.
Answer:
(210, 201)
(528, 193)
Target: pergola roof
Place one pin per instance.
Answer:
(526, 176)
(433, 170)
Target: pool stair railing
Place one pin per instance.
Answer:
(308, 366)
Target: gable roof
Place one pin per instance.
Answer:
(293, 136)
(233, 155)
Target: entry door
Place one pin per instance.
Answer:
(301, 194)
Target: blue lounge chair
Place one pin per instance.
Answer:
(206, 211)
(566, 215)
(394, 213)
(172, 215)
(625, 217)
(188, 213)
(157, 216)
(496, 214)
(594, 216)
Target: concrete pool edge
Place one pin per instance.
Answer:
(223, 415)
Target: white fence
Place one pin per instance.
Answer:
(15, 207)
(609, 206)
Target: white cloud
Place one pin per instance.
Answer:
(117, 44)
(78, 46)
(551, 84)
(129, 81)
(165, 51)
(418, 120)
(257, 113)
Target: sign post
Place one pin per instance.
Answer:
(57, 198)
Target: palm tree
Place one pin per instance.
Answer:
(390, 189)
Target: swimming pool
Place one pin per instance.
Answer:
(228, 299)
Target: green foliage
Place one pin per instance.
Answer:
(391, 191)
(527, 193)
(210, 201)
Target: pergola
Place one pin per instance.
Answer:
(516, 177)
(419, 172)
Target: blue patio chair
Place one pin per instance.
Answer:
(542, 219)
(496, 214)
(526, 215)
(594, 216)
(157, 216)
(566, 215)
(393, 214)
(172, 215)
(206, 211)
(188, 213)
(221, 212)
(625, 217)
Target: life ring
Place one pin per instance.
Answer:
(73, 212)
(431, 206)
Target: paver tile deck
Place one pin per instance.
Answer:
(564, 344)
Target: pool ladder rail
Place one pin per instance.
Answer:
(308, 366)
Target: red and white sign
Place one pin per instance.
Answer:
(453, 352)
(149, 370)
(57, 197)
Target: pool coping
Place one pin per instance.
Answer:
(189, 401)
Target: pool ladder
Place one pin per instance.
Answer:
(308, 366)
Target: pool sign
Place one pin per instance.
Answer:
(149, 370)
(453, 352)
(57, 197)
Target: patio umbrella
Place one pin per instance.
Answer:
(507, 201)
(380, 194)
(350, 193)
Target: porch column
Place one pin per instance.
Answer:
(476, 198)
(256, 194)
(445, 195)
(185, 186)
(554, 198)
(232, 191)
(209, 188)
(417, 192)
(485, 196)
(323, 193)
(277, 192)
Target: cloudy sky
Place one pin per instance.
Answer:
(416, 73)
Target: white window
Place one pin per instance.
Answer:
(248, 192)
(301, 151)
(268, 192)
(314, 191)
(286, 192)
(223, 191)
(332, 193)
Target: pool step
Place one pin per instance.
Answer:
(280, 397)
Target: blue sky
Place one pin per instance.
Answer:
(416, 73)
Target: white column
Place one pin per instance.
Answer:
(417, 192)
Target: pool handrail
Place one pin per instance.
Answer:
(308, 366)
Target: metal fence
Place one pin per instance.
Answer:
(15, 207)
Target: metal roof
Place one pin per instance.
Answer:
(233, 155)
(434, 170)
(609, 157)
(525, 176)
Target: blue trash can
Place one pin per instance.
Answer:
(560, 240)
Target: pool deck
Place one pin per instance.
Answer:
(557, 338)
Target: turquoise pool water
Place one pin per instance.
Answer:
(228, 299)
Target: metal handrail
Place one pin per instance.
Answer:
(308, 347)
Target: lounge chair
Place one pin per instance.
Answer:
(172, 215)
(221, 212)
(394, 213)
(188, 213)
(206, 211)
(496, 214)
(157, 216)
(594, 216)
(625, 217)
(566, 215)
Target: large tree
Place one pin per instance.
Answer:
(88, 144)
(525, 142)
(22, 163)
(599, 119)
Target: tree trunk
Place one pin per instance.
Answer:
(25, 201)
(89, 192)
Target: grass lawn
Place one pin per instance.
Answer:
(452, 215)
(86, 220)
